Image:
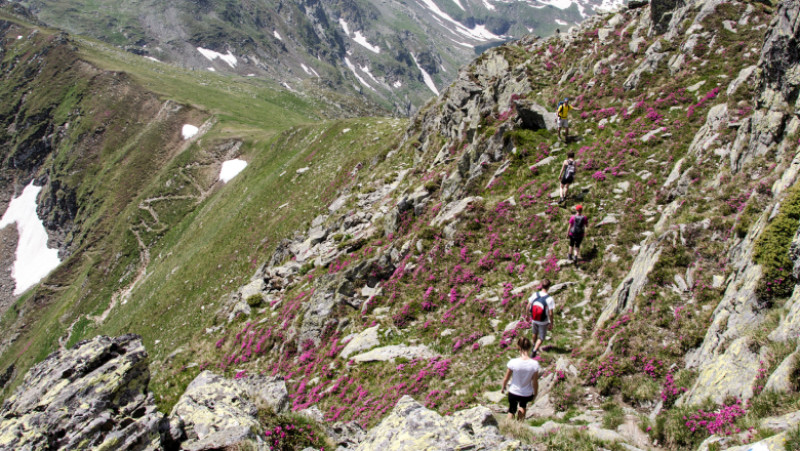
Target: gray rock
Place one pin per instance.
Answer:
(92, 396)
(661, 12)
(634, 281)
(543, 162)
(388, 353)
(780, 379)
(533, 116)
(744, 75)
(361, 342)
(487, 340)
(412, 427)
(731, 373)
(217, 412)
(453, 209)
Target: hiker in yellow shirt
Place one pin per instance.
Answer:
(562, 113)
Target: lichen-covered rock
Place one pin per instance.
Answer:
(411, 426)
(731, 373)
(93, 396)
(215, 412)
(661, 13)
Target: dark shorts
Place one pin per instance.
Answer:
(575, 240)
(514, 400)
(539, 330)
(567, 180)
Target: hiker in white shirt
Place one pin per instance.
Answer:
(524, 375)
(542, 308)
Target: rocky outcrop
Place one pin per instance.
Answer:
(661, 13)
(778, 88)
(533, 116)
(216, 412)
(623, 297)
(389, 353)
(93, 396)
(411, 426)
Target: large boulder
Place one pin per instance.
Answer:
(93, 396)
(216, 412)
(411, 426)
(533, 116)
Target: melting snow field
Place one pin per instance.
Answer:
(426, 77)
(361, 39)
(212, 55)
(189, 131)
(231, 169)
(277, 35)
(34, 260)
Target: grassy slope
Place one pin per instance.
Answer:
(212, 234)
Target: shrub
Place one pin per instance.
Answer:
(772, 250)
(792, 439)
(254, 300)
(639, 388)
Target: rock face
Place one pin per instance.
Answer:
(411, 426)
(661, 13)
(216, 412)
(93, 396)
(535, 117)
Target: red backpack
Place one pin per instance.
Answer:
(539, 308)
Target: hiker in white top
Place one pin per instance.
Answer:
(542, 308)
(524, 375)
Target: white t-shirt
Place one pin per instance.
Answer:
(551, 307)
(522, 371)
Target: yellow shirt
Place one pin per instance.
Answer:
(563, 110)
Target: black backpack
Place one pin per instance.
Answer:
(578, 225)
(569, 172)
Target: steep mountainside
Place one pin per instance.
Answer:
(397, 52)
(401, 299)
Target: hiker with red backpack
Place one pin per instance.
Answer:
(567, 175)
(575, 232)
(542, 308)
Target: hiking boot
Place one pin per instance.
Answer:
(534, 352)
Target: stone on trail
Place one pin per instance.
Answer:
(412, 427)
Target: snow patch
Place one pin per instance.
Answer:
(488, 5)
(366, 70)
(212, 55)
(355, 72)
(231, 169)
(463, 44)
(479, 33)
(309, 70)
(561, 22)
(426, 77)
(458, 3)
(34, 260)
(277, 35)
(211, 69)
(189, 131)
(152, 59)
(361, 39)
(344, 27)
(345, 130)
(286, 85)
(397, 84)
